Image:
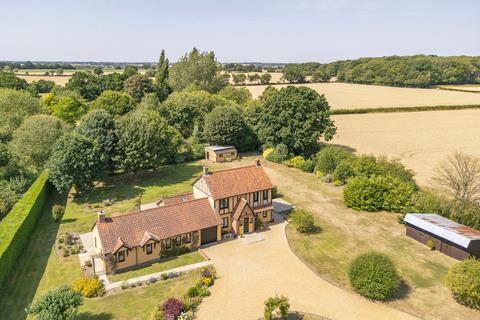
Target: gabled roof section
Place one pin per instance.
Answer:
(147, 236)
(443, 228)
(131, 229)
(119, 244)
(236, 181)
(242, 206)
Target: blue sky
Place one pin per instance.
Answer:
(238, 31)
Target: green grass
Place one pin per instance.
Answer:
(137, 303)
(174, 262)
(41, 268)
(81, 211)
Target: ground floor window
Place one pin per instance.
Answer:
(169, 244)
(225, 222)
(265, 214)
(121, 256)
(188, 238)
(178, 241)
(149, 248)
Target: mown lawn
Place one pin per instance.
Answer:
(174, 262)
(345, 233)
(41, 268)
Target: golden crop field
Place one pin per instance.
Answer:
(419, 139)
(352, 96)
(60, 80)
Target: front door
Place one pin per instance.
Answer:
(245, 225)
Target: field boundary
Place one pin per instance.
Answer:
(455, 89)
(403, 109)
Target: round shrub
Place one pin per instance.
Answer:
(373, 275)
(57, 212)
(463, 280)
(172, 308)
(295, 162)
(308, 166)
(279, 154)
(303, 220)
(88, 287)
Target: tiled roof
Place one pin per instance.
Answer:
(177, 199)
(237, 181)
(132, 229)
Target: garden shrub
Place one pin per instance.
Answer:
(373, 275)
(172, 308)
(89, 287)
(395, 168)
(430, 244)
(365, 165)
(463, 280)
(378, 193)
(329, 157)
(295, 162)
(343, 171)
(207, 282)
(308, 166)
(57, 212)
(59, 304)
(273, 303)
(363, 193)
(186, 315)
(193, 291)
(303, 220)
(267, 152)
(17, 226)
(279, 154)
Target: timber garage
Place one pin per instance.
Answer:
(451, 238)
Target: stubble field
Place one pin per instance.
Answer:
(419, 139)
(352, 96)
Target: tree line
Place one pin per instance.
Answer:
(99, 125)
(402, 71)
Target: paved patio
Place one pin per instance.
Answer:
(249, 273)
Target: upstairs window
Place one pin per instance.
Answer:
(265, 196)
(255, 198)
(224, 203)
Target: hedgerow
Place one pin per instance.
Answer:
(463, 280)
(16, 228)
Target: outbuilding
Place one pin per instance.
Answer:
(221, 153)
(449, 237)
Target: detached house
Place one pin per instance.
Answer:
(222, 202)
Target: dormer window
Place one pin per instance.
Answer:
(121, 256)
(149, 248)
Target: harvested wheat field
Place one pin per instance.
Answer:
(352, 96)
(60, 80)
(419, 139)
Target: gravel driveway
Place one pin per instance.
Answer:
(251, 271)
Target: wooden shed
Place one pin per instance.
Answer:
(221, 153)
(449, 237)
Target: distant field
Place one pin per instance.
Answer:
(351, 96)
(462, 87)
(419, 139)
(60, 80)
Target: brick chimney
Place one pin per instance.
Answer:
(257, 163)
(101, 216)
(205, 171)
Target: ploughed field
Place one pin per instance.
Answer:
(353, 96)
(419, 139)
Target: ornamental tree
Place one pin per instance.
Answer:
(116, 102)
(58, 304)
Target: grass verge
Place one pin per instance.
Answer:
(174, 262)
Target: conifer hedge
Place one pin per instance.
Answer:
(16, 228)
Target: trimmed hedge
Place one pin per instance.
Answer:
(16, 228)
(463, 280)
(403, 109)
